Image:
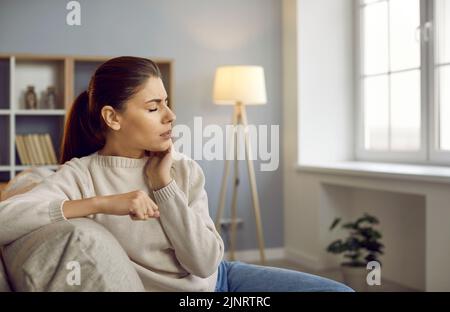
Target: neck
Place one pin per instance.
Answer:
(113, 150)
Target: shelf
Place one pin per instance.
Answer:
(40, 74)
(5, 168)
(4, 139)
(39, 112)
(54, 125)
(5, 72)
(21, 167)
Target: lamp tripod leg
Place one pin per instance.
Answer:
(234, 198)
(223, 190)
(251, 173)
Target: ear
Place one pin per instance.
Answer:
(111, 117)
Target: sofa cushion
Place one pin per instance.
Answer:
(43, 260)
(21, 183)
(4, 285)
(25, 181)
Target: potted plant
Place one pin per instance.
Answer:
(361, 246)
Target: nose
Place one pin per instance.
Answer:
(170, 116)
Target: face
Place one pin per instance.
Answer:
(146, 118)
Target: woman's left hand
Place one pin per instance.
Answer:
(157, 169)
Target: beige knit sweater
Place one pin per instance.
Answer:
(180, 251)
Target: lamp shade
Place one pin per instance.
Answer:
(245, 84)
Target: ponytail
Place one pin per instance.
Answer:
(79, 138)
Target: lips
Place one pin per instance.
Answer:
(167, 133)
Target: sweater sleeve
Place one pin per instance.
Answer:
(42, 205)
(186, 221)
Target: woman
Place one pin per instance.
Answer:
(118, 161)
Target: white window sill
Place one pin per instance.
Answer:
(381, 170)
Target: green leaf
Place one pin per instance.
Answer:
(349, 225)
(335, 222)
(336, 247)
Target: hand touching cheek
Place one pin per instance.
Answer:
(157, 169)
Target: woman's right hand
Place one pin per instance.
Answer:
(137, 204)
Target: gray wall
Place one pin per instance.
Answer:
(199, 35)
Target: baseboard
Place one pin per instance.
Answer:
(303, 259)
(252, 255)
(280, 253)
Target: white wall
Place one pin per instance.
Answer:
(317, 64)
(402, 225)
(198, 35)
(318, 127)
(326, 71)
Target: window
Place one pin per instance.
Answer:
(442, 75)
(404, 81)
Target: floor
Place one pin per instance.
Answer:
(386, 286)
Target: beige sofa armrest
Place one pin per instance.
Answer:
(48, 259)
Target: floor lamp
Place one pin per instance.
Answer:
(240, 86)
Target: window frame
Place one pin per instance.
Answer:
(436, 155)
(429, 127)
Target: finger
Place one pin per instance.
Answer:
(155, 211)
(152, 210)
(149, 165)
(149, 212)
(153, 204)
(153, 164)
(148, 202)
(140, 214)
(155, 208)
(166, 161)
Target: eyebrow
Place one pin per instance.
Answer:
(156, 100)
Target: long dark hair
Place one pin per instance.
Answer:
(113, 83)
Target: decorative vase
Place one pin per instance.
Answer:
(30, 98)
(50, 98)
(355, 277)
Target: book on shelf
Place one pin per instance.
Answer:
(34, 156)
(38, 147)
(50, 147)
(44, 149)
(35, 149)
(23, 157)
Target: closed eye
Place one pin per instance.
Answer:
(153, 110)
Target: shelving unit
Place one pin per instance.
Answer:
(69, 75)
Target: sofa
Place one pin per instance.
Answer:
(75, 255)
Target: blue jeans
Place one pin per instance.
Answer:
(236, 276)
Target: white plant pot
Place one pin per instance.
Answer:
(355, 277)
